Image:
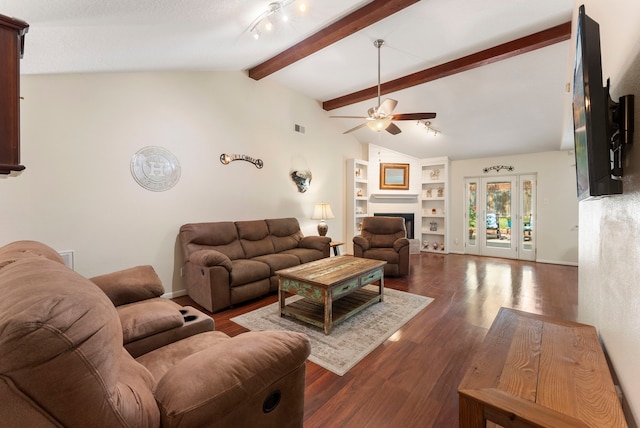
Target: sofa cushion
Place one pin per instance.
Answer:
(278, 261)
(254, 237)
(143, 319)
(285, 233)
(305, 255)
(220, 236)
(387, 254)
(247, 271)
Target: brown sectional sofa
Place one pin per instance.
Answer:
(63, 364)
(226, 263)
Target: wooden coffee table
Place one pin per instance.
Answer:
(332, 289)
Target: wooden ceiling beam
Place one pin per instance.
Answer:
(369, 14)
(507, 50)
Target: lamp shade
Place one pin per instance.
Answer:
(322, 211)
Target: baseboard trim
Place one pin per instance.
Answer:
(552, 262)
(555, 262)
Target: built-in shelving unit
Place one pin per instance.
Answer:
(357, 198)
(434, 205)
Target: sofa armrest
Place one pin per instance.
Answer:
(241, 371)
(130, 285)
(211, 258)
(313, 242)
(399, 243)
(361, 242)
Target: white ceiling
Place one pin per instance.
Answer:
(518, 105)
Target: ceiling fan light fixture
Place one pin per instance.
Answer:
(379, 124)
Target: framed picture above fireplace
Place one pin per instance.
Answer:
(394, 176)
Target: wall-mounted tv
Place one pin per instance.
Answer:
(601, 127)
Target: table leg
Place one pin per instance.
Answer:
(328, 313)
(281, 297)
(471, 413)
(382, 287)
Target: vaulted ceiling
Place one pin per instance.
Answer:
(495, 72)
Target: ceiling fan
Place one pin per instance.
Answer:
(380, 118)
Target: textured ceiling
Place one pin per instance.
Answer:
(519, 105)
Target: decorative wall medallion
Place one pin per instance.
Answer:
(155, 168)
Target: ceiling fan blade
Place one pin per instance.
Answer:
(393, 129)
(387, 106)
(355, 128)
(414, 116)
(349, 117)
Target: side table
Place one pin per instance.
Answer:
(336, 247)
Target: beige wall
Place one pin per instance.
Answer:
(79, 133)
(557, 207)
(609, 268)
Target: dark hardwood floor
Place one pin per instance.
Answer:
(411, 380)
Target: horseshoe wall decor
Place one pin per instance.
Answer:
(226, 159)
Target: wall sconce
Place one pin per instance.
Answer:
(427, 126)
(267, 20)
(322, 211)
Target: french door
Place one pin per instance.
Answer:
(499, 216)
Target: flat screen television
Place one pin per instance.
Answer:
(591, 116)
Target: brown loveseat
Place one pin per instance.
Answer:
(62, 362)
(226, 263)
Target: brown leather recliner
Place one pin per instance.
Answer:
(148, 320)
(384, 238)
(63, 364)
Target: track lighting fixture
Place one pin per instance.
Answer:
(427, 126)
(275, 13)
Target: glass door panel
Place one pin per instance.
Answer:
(498, 240)
(471, 215)
(528, 208)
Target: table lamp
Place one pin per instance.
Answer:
(322, 211)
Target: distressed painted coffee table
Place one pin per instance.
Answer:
(331, 289)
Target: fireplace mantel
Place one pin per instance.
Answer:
(411, 196)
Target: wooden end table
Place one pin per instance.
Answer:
(332, 289)
(336, 247)
(537, 371)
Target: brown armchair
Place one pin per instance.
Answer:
(63, 364)
(384, 238)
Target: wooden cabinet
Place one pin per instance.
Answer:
(12, 33)
(434, 203)
(357, 198)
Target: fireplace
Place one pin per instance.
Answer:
(408, 221)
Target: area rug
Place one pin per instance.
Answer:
(351, 340)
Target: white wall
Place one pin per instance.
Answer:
(609, 268)
(557, 210)
(557, 207)
(79, 133)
